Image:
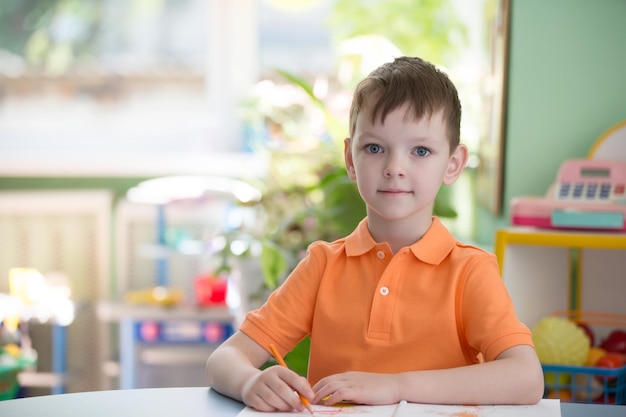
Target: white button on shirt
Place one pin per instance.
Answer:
(384, 291)
(380, 254)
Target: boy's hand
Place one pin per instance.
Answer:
(357, 387)
(274, 388)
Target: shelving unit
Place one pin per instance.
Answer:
(165, 347)
(548, 270)
(165, 237)
(58, 378)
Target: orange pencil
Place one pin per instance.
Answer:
(280, 360)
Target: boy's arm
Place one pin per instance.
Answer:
(233, 370)
(514, 377)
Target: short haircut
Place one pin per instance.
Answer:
(410, 80)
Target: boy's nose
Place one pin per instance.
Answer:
(393, 168)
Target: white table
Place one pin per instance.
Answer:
(183, 402)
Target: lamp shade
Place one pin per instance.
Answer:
(164, 190)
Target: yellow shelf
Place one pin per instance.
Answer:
(545, 237)
(547, 270)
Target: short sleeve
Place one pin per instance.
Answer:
(489, 320)
(286, 317)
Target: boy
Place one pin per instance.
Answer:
(397, 310)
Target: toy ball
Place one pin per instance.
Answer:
(560, 341)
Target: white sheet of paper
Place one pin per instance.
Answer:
(545, 408)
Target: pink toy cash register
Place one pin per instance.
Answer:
(588, 194)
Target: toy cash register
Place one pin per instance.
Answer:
(588, 194)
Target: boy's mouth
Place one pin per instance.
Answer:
(394, 192)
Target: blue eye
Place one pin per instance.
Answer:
(421, 151)
(373, 148)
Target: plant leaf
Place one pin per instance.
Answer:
(273, 264)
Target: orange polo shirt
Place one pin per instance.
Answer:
(436, 304)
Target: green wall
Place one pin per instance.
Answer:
(117, 186)
(567, 86)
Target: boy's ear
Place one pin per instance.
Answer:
(347, 154)
(456, 163)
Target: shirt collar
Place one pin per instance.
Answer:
(432, 248)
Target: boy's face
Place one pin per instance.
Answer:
(400, 165)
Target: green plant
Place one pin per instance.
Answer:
(430, 29)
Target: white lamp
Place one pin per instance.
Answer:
(164, 190)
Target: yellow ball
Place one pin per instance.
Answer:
(560, 341)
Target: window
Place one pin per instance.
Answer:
(139, 87)
(153, 87)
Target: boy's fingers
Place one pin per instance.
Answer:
(286, 386)
(295, 381)
(303, 387)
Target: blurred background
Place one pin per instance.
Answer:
(165, 163)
